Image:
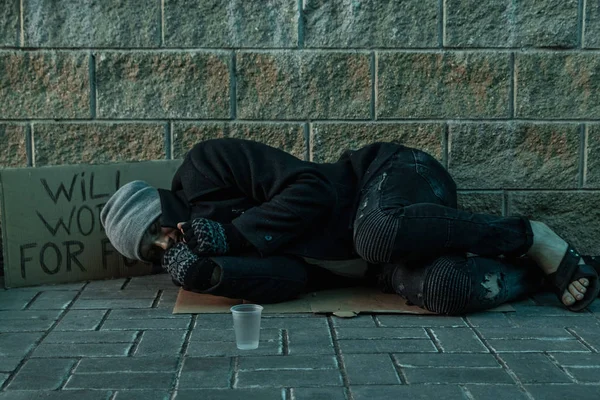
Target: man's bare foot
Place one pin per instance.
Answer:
(547, 250)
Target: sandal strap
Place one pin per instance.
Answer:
(566, 270)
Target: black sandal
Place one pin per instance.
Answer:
(569, 271)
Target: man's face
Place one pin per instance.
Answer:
(156, 241)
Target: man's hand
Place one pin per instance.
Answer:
(204, 236)
(177, 260)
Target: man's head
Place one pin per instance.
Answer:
(131, 219)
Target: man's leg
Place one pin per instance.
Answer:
(456, 284)
(409, 211)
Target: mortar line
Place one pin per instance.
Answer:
(582, 340)
(232, 87)
(167, 141)
(373, 66)
(21, 24)
(29, 144)
(505, 203)
(399, 370)
(446, 146)
(512, 87)
(554, 361)
(339, 358)
(162, 23)
(467, 392)
(181, 358)
(289, 394)
(27, 356)
(33, 299)
(234, 367)
(157, 298)
(434, 339)
(442, 18)
(93, 93)
(309, 135)
(124, 285)
(583, 155)
(300, 5)
(581, 6)
(285, 342)
(103, 320)
(135, 344)
(61, 386)
(172, 139)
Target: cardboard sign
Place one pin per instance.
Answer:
(51, 226)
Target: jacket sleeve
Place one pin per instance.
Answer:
(292, 195)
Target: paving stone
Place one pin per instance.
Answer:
(317, 323)
(446, 360)
(386, 346)
(585, 375)
(589, 336)
(577, 359)
(461, 340)
(31, 315)
(229, 394)
(45, 84)
(205, 372)
(80, 320)
(592, 174)
(94, 24)
(119, 380)
(24, 325)
(381, 333)
(481, 203)
(347, 24)
(15, 300)
(228, 335)
(496, 392)
(82, 350)
(288, 378)
(228, 349)
(424, 321)
(457, 375)
(150, 313)
(90, 337)
(162, 342)
(106, 284)
(581, 321)
(3, 377)
(42, 374)
(287, 362)
(416, 392)
(9, 24)
(56, 395)
(592, 26)
(490, 320)
(310, 342)
(17, 344)
(524, 333)
(118, 294)
(235, 24)
(319, 394)
(309, 84)
(528, 310)
(214, 321)
(561, 392)
(142, 395)
(9, 364)
(156, 84)
(534, 368)
(477, 85)
(13, 143)
(106, 304)
(127, 364)
(146, 324)
(360, 321)
(53, 300)
(370, 369)
(535, 345)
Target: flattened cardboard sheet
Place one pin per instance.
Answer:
(346, 302)
(51, 226)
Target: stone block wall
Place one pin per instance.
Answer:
(506, 94)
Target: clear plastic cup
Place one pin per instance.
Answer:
(246, 324)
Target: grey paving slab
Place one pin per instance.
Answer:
(535, 345)
(287, 378)
(413, 392)
(214, 321)
(53, 300)
(370, 369)
(585, 374)
(3, 378)
(381, 333)
(457, 375)
(147, 313)
(14, 300)
(312, 341)
(534, 368)
(90, 337)
(332, 393)
(205, 372)
(319, 323)
(17, 344)
(142, 395)
(80, 320)
(490, 320)
(33, 315)
(8, 364)
(25, 325)
(42, 374)
(120, 380)
(446, 360)
(105, 304)
(146, 324)
(386, 346)
(496, 392)
(590, 335)
(425, 321)
(525, 333)
(160, 343)
(228, 349)
(228, 335)
(458, 340)
(288, 362)
(51, 287)
(577, 359)
(126, 364)
(360, 321)
(570, 321)
(231, 394)
(118, 294)
(561, 392)
(106, 284)
(82, 350)
(56, 395)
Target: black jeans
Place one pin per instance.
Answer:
(408, 217)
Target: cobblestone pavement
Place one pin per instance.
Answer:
(117, 339)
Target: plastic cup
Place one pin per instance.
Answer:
(246, 324)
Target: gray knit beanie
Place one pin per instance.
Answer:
(128, 214)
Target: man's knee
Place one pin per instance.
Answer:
(374, 236)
